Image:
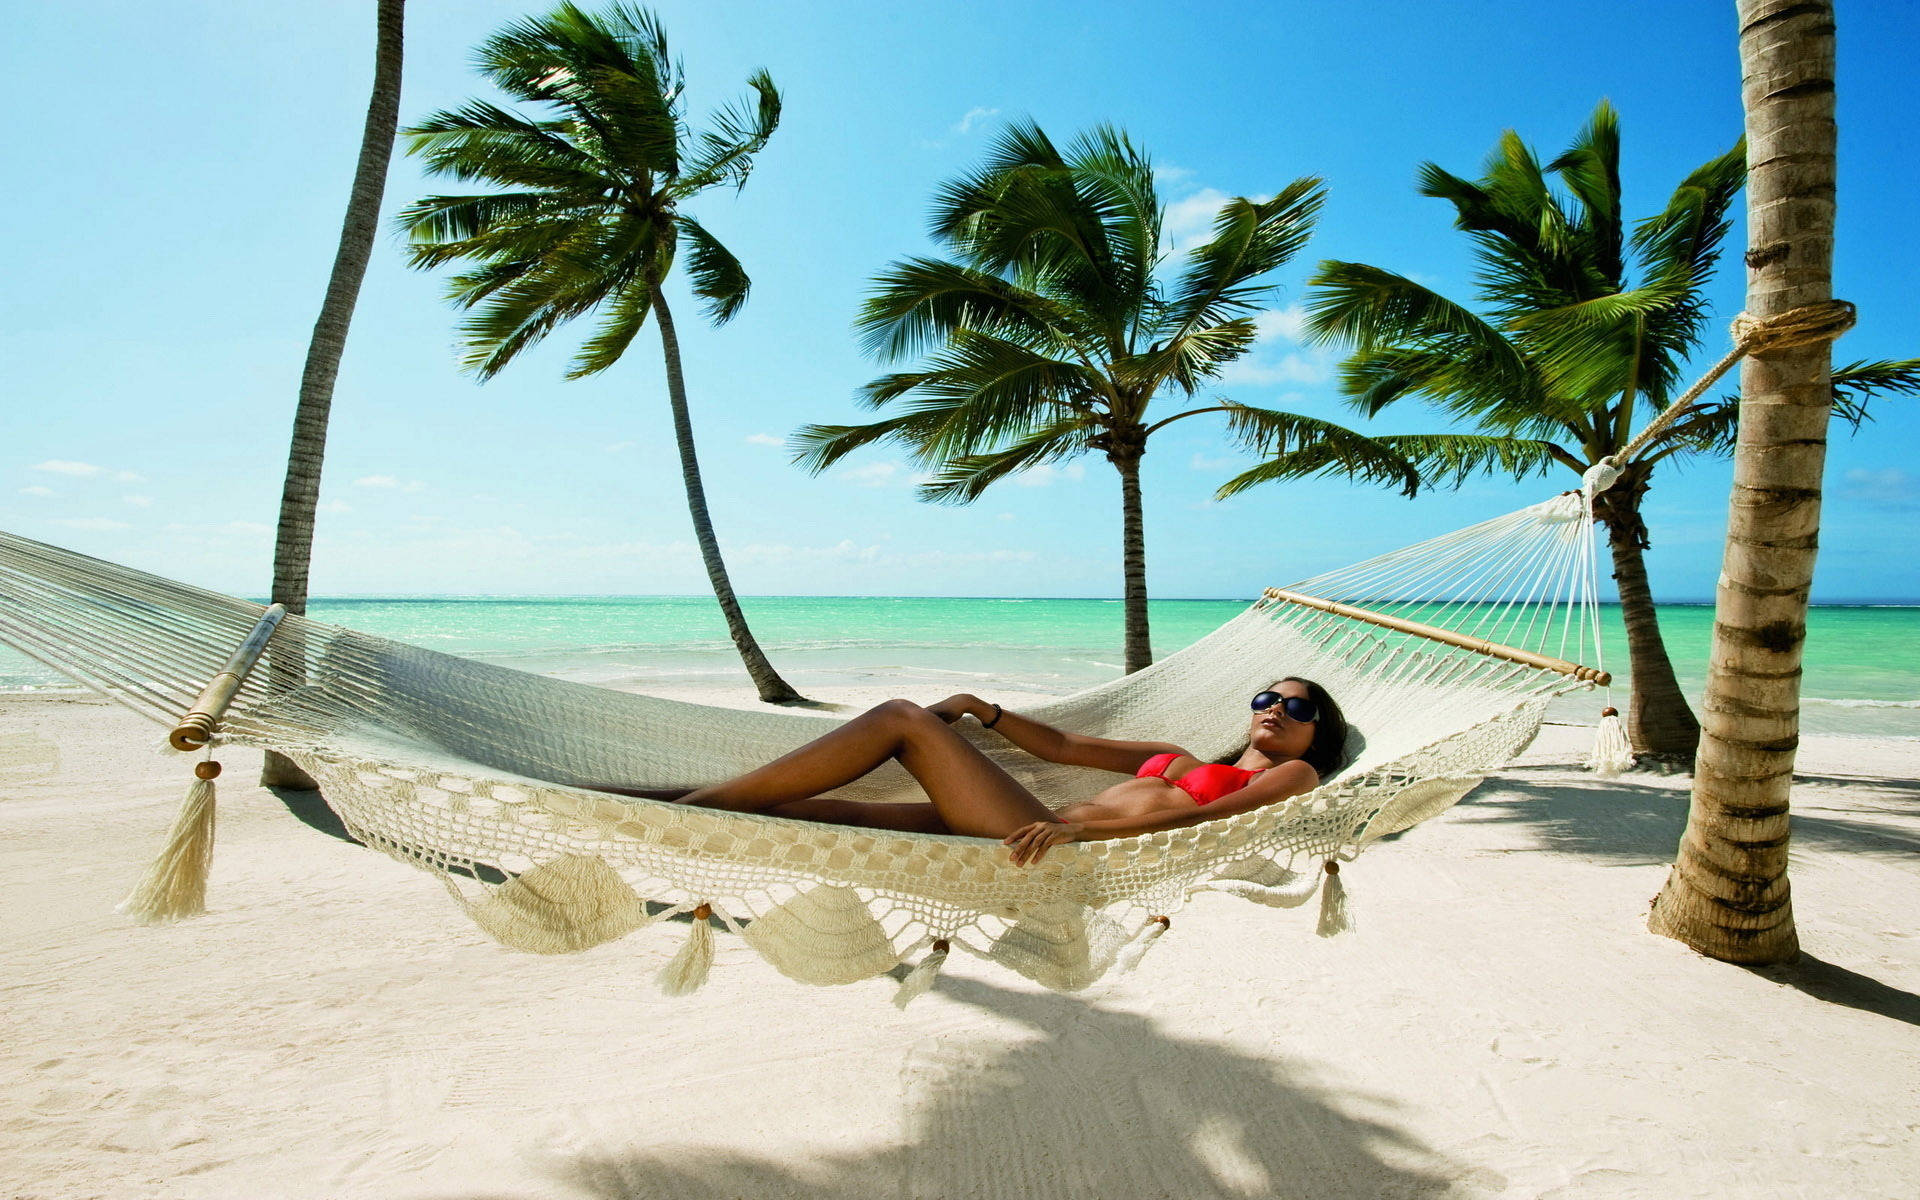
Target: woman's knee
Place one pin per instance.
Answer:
(899, 712)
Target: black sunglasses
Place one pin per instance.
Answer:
(1299, 708)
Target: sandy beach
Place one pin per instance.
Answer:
(1499, 1025)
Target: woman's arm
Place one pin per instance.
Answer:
(1054, 745)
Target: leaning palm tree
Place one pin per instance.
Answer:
(590, 217)
(1728, 894)
(1062, 318)
(300, 497)
(1586, 329)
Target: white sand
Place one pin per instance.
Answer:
(1500, 1025)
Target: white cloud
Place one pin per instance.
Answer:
(1167, 173)
(1287, 324)
(333, 506)
(37, 490)
(61, 466)
(880, 474)
(1888, 487)
(390, 482)
(781, 553)
(974, 117)
(1201, 462)
(966, 558)
(763, 439)
(1310, 366)
(100, 524)
(1045, 475)
(86, 470)
(139, 501)
(1189, 222)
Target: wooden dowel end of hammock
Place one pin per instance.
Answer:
(1445, 636)
(196, 728)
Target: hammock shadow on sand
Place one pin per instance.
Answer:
(1101, 1104)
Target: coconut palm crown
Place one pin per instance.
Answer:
(1062, 317)
(587, 217)
(1582, 329)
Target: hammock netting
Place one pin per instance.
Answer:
(484, 775)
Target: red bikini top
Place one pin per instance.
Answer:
(1205, 783)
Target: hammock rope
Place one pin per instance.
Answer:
(1822, 322)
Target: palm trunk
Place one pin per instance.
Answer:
(1728, 895)
(1660, 725)
(767, 681)
(1133, 563)
(293, 544)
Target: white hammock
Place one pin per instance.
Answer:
(479, 773)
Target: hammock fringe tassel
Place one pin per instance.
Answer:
(175, 886)
(689, 968)
(1335, 919)
(920, 979)
(1612, 754)
(1143, 941)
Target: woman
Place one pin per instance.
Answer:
(1296, 735)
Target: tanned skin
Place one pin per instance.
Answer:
(972, 796)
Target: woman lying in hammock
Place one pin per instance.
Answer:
(1295, 736)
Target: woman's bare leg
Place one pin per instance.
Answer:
(971, 795)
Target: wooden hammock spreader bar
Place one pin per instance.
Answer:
(196, 728)
(1446, 636)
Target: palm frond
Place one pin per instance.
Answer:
(623, 318)
(724, 152)
(718, 277)
(1450, 459)
(919, 302)
(963, 478)
(1297, 446)
(817, 447)
(1591, 170)
(1372, 309)
(1189, 359)
(986, 390)
(1251, 238)
(1860, 381)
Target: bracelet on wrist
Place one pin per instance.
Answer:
(998, 712)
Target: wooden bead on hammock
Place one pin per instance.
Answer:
(206, 770)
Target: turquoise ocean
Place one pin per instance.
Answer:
(1862, 662)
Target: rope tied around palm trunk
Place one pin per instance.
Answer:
(1803, 326)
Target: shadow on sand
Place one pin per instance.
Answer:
(1625, 822)
(1836, 985)
(1628, 822)
(1102, 1104)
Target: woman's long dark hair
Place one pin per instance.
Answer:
(1328, 751)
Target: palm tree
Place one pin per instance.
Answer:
(300, 496)
(1728, 895)
(1587, 327)
(1061, 318)
(592, 217)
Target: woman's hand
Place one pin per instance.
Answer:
(956, 706)
(1030, 842)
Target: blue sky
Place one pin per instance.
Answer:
(176, 188)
